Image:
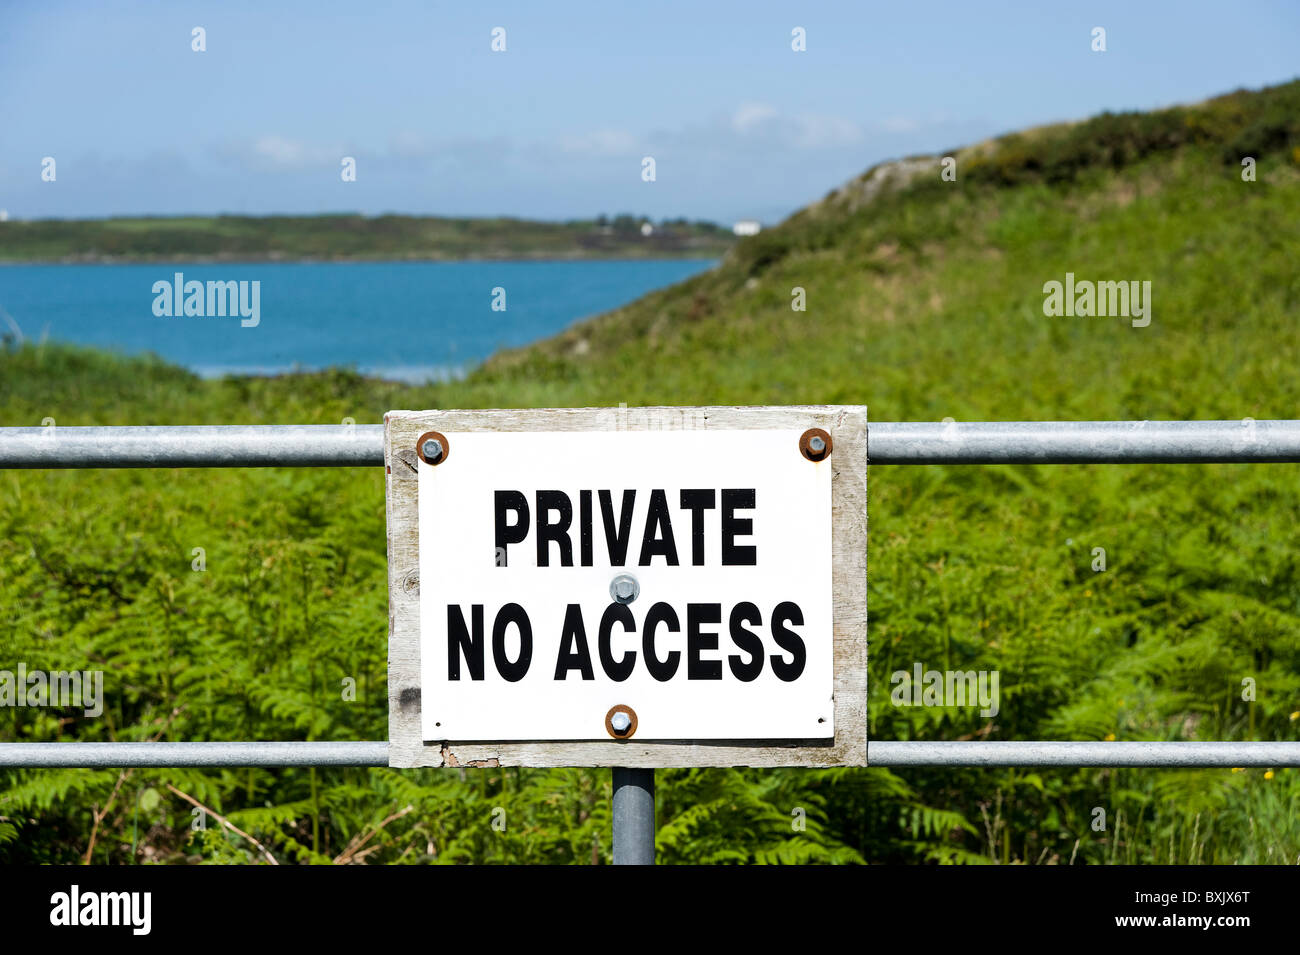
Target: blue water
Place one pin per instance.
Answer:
(409, 321)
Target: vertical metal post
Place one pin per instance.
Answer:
(634, 816)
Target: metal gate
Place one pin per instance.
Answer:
(906, 443)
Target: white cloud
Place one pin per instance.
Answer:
(601, 142)
(751, 124)
(279, 151)
(750, 115)
(795, 130)
(824, 132)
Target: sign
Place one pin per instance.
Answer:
(722, 540)
(585, 581)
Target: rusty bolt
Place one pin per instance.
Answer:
(433, 447)
(620, 722)
(816, 444)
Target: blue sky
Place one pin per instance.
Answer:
(557, 125)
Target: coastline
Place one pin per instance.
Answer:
(279, 259)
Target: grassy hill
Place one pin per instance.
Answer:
(337, 237)
(924, 299)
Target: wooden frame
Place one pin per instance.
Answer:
(848, 428)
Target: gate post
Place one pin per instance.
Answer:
(634, 816)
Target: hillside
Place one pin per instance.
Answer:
(348, 237)
(924, 300)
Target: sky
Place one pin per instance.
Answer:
(557, 125)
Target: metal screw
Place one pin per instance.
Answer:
(816, 444)
(624, 589)
(621, 722)
(432, 451)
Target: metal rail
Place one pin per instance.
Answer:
(1083, 442)
(947, 442)
(897, 755)
(204, 446)
(362, 445)
(1153, 755)
(172, 755)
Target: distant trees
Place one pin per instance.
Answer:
(626, 222)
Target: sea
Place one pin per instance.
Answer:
(406, 321)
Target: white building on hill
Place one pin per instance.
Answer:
(746, 227)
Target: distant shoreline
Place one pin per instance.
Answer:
(238, 259)
(355, 238)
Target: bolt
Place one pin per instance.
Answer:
(432, 450)
(621, 722)
(815, 444)
(624, 589)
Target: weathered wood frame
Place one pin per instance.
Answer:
(848, 429)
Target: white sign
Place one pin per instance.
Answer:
(526, 544)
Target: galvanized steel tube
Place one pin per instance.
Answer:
(637, 786)
(206, 446)
(1153, 755)
(634, 816)
(1083, 442)
(165, 755)
(916, 442)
